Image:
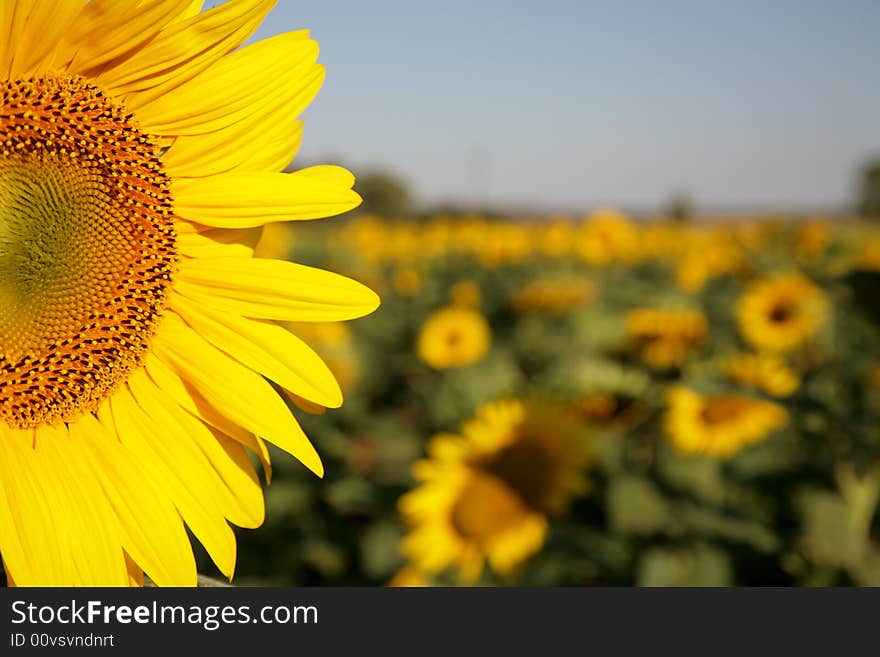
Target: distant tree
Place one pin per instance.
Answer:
(868, 202)
(679, 207)
(384, 193)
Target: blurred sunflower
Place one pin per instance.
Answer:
(486, 494)
(767, 372)
(555, 239)
(276, 241)
(407, 280)
(554, 295)
(466, 293)
(505, 243)
(813, 239)
(868, 256)
(453, 337)
(781, 313)
(141, 151)
(408, 577)
(607, 236)
(664, 337)
(873, 377)
(332, 341)
(719, 425)
(611, 411)
(706, 256)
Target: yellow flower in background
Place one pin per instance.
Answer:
(664, 239)
(464, 517)
(408, 577)
(466, 294)
(873, 377)
(607, 236)
(506, 243)
(767, 372)
(781, 313)
(813, 239)
(556, 238)
(868, 257)
(365, 235)
(664, 337)
(720, 425)
(604, 410)
(707, 256)
(141, 155)
(436, 239)
(406, 281)
(454, 337)
(276, 241)
(402, 242)
(555, 295)
(333, 343)
(485, 495)
(470, 234)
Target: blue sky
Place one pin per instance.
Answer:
(572, 104)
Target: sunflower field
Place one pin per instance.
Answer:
(600, 401)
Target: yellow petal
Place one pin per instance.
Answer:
(305, 405)
(258, 143)
(227, 476)
(153, 532)
(274, 289)
(236, 87)
(219, 243)
(13, 18)
(330, 174)
(136, 573)
(61, 516)
(37, 30)
(24, 559)
(190, 493)
(105, 32)
(194, 403)
(267, 348)
(183, 50)
(234, 390)
(247, 199)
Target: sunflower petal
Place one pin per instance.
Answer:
(269, 349)
(105, 32)
(235, 390)
(258, 143)
(153, 532)
(247, 199)
(219, 243)
(236, 87)
(191, 494)
(184, 49)
(274, 289)
(40, 27)
(223, 470)
(190, 400)
(62, 518)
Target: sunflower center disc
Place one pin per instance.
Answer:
(719, 410)
(87, 248)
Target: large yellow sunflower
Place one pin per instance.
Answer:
(486, 494)
(141, 154)
(781, 313)
(718, 425)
